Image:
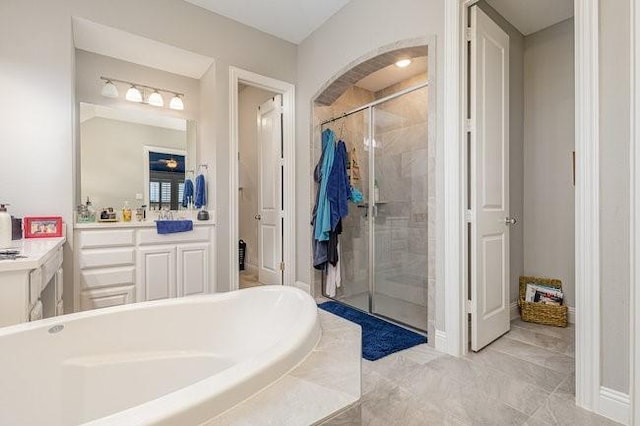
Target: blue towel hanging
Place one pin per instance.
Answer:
(201, 192)
(187, 194)
(173, 226)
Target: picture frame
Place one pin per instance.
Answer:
(42, 227)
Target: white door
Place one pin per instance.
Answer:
(489, 184)
(193, 269)
(270, 209)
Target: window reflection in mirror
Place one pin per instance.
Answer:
(125, 154)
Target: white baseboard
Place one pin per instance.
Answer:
(514, 313)
(614, 405)
(441, 341)
(302, 286)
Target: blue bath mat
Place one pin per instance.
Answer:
(379, 338)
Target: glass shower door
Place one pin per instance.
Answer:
(400, 163)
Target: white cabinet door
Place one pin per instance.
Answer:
(193, 269)
(489, 180)
(156, 273)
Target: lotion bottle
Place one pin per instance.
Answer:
(5, 227)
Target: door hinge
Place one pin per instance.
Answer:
(279, 110)
(468, 216)
(469, 307)
(281, 266)
(468, 125)
(468, 34)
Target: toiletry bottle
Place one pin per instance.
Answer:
(126, 212)
(5, 227)
(90, 211)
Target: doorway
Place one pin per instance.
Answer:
(278, 232)
(520, 156)
(259, 186)
(385, 245)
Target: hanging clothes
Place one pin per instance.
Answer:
(187, 193)
(338, 187)
(322, 222)
(201, 192)
(334, 279)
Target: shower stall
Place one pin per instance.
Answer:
(384, 250)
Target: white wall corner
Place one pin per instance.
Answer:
(614, 405)
(441, 341)
(302, 286)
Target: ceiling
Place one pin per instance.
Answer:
(107, 41)
(391, 75)
(291, 20)
(530, 16)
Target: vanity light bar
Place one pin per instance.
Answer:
(176, 102)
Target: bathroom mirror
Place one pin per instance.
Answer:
(133, 156)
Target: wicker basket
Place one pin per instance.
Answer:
(538, 312)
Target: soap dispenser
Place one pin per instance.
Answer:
(5, 227)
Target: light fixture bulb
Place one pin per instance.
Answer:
(109, 90)
(133, 94)
(155, 99)
(402, 63)
(176, 103)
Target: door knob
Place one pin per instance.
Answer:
(257, 217)
(510, 220)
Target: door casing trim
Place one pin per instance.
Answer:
(287, 90)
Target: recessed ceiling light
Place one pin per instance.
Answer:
(403, 63)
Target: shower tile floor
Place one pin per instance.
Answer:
(524, 378)
(408, 313)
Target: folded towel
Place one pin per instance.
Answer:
(201, 192)
(187, 193)
(173, 226)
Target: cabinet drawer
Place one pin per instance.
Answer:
(108, 238)
(98, 278)
(151, 236)
(105, 297)
(97, 258)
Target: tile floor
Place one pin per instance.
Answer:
(524, 378)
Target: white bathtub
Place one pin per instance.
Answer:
(173, 362)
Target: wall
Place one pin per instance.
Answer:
(112, 169)
(614, 192)
(360, 29)
(37, 106)
(549, 140)
(516, 147)
(249, 99)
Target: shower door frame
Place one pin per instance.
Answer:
(371, 207)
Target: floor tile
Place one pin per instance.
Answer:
(560, 332)
(552, 343)
(553, 360)
(493, 383)
(559, 410)
(529, 372)
(421, 354)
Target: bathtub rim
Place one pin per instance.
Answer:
(195, 400)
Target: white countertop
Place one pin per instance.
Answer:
(148, 223)
(132, 224)
(36, 250)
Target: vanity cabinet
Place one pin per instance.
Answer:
(125, 263)
(31, 286)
